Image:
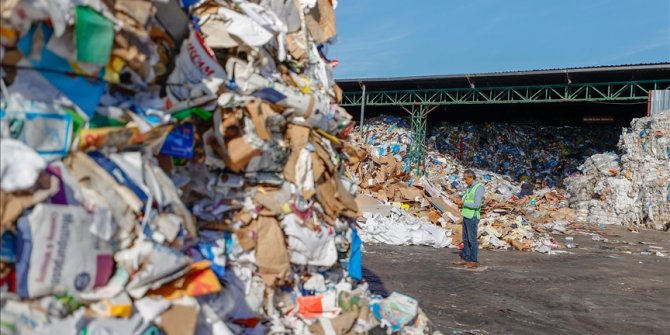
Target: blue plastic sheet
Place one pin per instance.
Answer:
(179, 142)
(355, 256)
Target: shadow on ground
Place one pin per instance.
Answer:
(375, 283)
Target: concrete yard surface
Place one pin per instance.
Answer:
(599, 288)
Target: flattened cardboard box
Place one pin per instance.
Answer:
(179, 320)
(320, 21)
(239, 153)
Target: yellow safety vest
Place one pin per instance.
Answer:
(469, 196)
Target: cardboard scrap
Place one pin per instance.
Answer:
(13, 204)
(456, 233)
(320, 21)
(271, 252)
(179, 320)
(259, 112)
(248, 235)
(238, 154)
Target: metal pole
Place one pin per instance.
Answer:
(362, 109)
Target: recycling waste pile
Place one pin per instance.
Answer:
(540, 154)
(402, 209)
(630, 189)
(157, 184)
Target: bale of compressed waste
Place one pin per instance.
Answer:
(176, 167)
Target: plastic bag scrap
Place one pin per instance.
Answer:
(177, 168)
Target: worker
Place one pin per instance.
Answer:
(471, 204)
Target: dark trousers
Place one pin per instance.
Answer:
(469, 253)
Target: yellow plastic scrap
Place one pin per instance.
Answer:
(113, 69)
(8, 36)
(119, 306)
(329, 137)
(301, 82)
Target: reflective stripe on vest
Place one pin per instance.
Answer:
(469, 196)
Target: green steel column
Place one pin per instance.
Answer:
(417, 148)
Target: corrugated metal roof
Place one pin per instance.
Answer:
(620, 67)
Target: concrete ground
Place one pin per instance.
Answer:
(600, 288)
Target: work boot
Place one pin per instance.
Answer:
(471, 265)
(460, 262)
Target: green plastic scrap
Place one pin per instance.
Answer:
(78, 121)
(101, 121)
(190, 112)
(69, 301)
(94, 36)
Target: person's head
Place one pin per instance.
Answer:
(469, 176)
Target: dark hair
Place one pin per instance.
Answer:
(470, 173)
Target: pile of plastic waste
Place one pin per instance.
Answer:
(633, 188)
(508, 221)
(542, 154)
(387, 142)
(178, 170)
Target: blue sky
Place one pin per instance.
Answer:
(388, 38)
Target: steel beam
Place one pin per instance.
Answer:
(595, 92)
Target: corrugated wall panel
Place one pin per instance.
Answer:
(659, 101)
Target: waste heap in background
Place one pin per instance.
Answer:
(386, 185)
(179, 180)
(540, 154)
(632, 189)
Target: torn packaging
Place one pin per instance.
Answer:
(229, 143)
(138, 10)
(273, 200)
(124, 204)
(286, 11)
(318, 167)
(303, 105)
(324, 149)
(259, 112)
(153, 265)
(13, 204)
(348, 201)
(336, 200)
(271, 253)
(308, 246)
(215, 32)
(321, 21)
(297, 137)
(449, 211)
(297, 46)
(49, 253)
(247, 236)
(197, 74)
